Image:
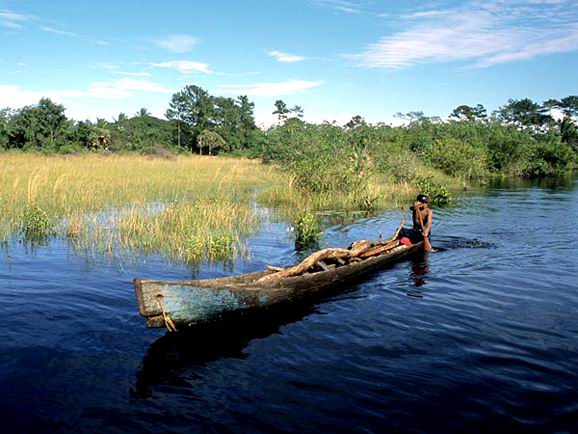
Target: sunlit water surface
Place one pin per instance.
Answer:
(479, 336)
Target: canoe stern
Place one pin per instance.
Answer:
(187, 303)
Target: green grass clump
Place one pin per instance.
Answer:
(36, 225)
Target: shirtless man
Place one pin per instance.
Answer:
(422, 219)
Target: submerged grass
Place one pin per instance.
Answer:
(188, 208)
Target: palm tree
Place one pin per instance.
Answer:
(142, 113)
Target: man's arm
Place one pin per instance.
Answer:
(427, 227)
(417, 214)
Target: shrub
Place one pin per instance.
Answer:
(159, 151)
(437, 193)
(458, 158)
(549, 158)
(69, 148)
(319, 157)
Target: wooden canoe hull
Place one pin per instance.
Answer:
(208, 300)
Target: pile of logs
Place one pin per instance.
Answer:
(330, 258)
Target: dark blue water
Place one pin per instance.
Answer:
(480, 336)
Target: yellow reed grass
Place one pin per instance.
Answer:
(188, 207)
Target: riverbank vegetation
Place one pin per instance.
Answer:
(165, 200)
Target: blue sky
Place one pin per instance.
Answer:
(335, 58)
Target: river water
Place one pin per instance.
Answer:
(480, 336)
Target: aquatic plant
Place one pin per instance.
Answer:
(306, 231)
(36, 225)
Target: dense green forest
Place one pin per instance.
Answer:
(521, 138)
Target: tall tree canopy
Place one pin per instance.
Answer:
(524, 113)
(469, 113)
(281, 110)
(569, 106)
(41, 125)
(194, 110)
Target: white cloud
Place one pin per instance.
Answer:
(178, 43)
(100, 100)
(12, 20)
(184, 66)
(49, 29)
(562, 44)
(285, 57)
(100, 42)
(107, 65)
(114, 68)
(15, 96)
(482, 33)
(270, 89)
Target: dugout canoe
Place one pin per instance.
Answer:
(176, 304)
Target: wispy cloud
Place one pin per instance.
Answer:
(177, 43)
(343, 6)
(120, 69)
(12, 20)
(107, 65)
(184, 66)
(280, 56)
(119, 89)
(133, 74)
(270, 89)
(55, 31)
(480, 33)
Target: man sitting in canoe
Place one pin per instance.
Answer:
(422, 217)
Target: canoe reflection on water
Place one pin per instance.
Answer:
(419, 269)
(172, 353)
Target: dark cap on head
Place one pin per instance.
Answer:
(422, 198)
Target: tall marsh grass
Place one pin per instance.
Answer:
(188, 208)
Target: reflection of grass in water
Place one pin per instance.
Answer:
(207, 202)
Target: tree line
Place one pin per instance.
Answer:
(522, 137)
(195, 121)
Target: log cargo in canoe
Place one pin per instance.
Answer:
(173, 304)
